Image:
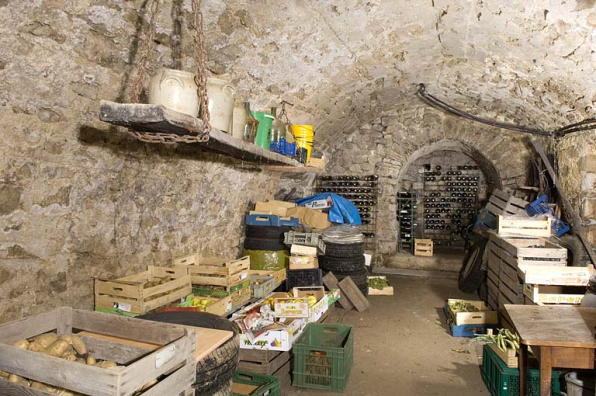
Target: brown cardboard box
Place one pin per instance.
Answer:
(302, 250)
(303, 262)
(277, 208)
(309, 217)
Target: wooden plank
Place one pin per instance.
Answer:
(577, 358)
(28, 327)
(350, 291)
(158, 119)
(124, 327)
(536, 227)
(117, 352)
(545, 370)
(554, 325)
(182, 379)
(293, 169)
(331, 282)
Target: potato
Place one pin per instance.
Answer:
(17, 380)
(57, 349)
(165, 279)
(81, 360)
(46, 339)
(21, 344)
(40, 386)
(71, 357)
(147, 386)
(106, 364)
(91, 361)
(76, 342)
(3, 374)
(35, 347)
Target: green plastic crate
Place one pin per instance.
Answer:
(268, 385)
(323, 356)
(504, 381)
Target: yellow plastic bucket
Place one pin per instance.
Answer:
(304, 135)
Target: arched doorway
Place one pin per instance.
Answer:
(441, 188)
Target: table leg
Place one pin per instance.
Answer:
(523, 367)
(545, 370)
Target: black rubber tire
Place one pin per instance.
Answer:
(216, 370)
(265, 232)
(344, 250)
(577, 255)
(263, 244)
(483, 288)
(471, 274)
(338, 265)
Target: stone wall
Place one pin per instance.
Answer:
(78, 199)
(397, 139)
(577, 172)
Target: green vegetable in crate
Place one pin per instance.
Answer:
(462, 306)
(504, 340)
(378, 283)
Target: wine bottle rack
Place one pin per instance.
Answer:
(407, 221)
(363, 192)
(449, 199)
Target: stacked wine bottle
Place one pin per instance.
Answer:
(362, 191)
(449, 201)
(407, 221)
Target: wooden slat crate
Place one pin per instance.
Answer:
(139, 366)
(262, 362)
(536, 227)
(501, 203)
(554, 295)
(534, 251)
(215, 272)
(240, 297)
(129, 295)
(423, 247)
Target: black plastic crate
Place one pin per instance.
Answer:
(304, 277)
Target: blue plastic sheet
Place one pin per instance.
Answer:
(342, 211)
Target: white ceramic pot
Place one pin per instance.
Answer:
(221, 103)
(238, 120)
(175, 90)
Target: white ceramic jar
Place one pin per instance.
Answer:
(175, 90)
(238, 120)
(221, 103)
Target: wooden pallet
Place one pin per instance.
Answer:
(535, 227)
(262, 362)
(215, 272)
(139, 365)
(501, 203)
(423, 247)
(129, 295)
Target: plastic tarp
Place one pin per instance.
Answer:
(342, 211)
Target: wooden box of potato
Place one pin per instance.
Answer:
(143, 292)
(215, 272)
(42, 355)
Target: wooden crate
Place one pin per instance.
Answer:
(501, 203)
(215, 272)
(557, 275)
(279, 275)
(262, 362)
(509, 357)
(534, 251)
(557, 295)
(129, 295)
(240, 297)
(138, 367)
(386, 291)
(423, 247)
(535, 226)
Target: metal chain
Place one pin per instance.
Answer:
(146, 45)
(200, 56)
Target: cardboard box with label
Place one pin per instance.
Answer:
(303, 262)
(276, 340)
(310, 217)
(277, 208)
(317, 310)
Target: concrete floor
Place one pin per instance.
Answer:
(402, 345)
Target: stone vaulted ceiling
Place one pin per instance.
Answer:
(343, 62)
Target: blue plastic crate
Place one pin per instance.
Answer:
(468, 330)
(540, 206)
(268, 220)
(484, 222)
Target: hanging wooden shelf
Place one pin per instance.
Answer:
(154, 118)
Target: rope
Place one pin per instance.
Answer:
(200, 55)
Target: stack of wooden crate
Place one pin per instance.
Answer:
(501, 203)
(509, 258)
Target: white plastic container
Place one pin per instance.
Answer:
(221, 103)
(175, 90)
(580, 384)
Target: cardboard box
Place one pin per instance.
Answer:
(303, 262)
(277, 208)
(551, 294)
(317, 291)
(316, 162)
(320, 204)
(276, 340)
(316, 311)
(302, 250)
(556, 275)
(309, 217)
(290, 307)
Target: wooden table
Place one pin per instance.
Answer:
(559, 336)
